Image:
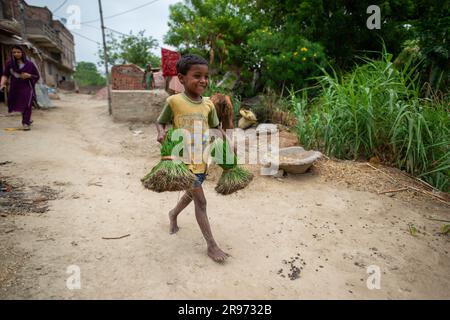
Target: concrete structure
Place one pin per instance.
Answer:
(138, 105)
(35, 27)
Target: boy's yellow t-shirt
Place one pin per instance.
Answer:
(185, 113)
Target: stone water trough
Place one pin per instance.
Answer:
(294, 160)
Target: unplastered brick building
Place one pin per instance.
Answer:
(55, 42)
(127, 77)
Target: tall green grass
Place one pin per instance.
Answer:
(376, 110)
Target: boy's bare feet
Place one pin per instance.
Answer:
(173, 223)
(215, 253)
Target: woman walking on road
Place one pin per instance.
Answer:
(23, 76)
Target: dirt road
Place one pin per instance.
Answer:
(292, 238)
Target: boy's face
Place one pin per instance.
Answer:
(195, 81)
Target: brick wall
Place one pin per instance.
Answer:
(38, 13)
(11, 9)
(68, 54)
(127, 77)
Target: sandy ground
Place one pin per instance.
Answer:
(275, 226)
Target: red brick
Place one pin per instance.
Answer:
(127, 77)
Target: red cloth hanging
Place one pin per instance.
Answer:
(169, 62)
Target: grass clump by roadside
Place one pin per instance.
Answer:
(376, 111)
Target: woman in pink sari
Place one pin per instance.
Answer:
(23, 76)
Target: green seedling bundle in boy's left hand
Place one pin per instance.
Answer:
(234, 177)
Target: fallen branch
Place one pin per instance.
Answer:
(439, 220)
(393, 191)
(388, 175)
(439, 198)
(97, 184)
(430, 194)
(48, 239)
(117, 238)
(420, 180)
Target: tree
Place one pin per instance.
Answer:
(217, 29)
(86, 74)
(259, 38)
(237, 35)
(432, 30)
(136, 49)
(285, 61)
(340, 25)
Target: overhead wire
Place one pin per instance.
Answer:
(59, 7)
(122, 13)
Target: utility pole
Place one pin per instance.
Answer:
(105, 56)
(23, 31)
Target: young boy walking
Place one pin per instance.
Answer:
(187, 111)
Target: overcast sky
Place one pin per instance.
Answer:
(153, 18)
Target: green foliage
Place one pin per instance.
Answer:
(223, 155)
(170, 143)
(258, 38)
(217, 29)
(261, 37)
(376, 110)
(285, 62)
(234, 177)
(432, 30)
(136, 49)
(412, 229)
(340, 25)
(446, 229)
(86, 74)
(169, 175)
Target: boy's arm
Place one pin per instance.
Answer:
(164, 119)
(161, 132)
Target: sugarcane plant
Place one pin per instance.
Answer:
(234, 176)
(169, 174)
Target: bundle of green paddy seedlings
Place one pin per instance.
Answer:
(168, 174)
(234, 177)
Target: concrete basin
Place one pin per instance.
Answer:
(294, 160)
